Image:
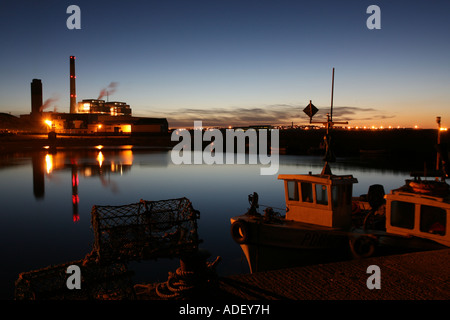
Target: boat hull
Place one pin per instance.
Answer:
(283, 243)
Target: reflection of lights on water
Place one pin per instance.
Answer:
(49, 163)
(75, 180)
(87, 171)
(100, 158)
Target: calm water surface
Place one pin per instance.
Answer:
(46, 200)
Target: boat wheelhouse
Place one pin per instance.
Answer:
(415, 212)
(324, 200)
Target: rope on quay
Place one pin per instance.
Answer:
(192, 278)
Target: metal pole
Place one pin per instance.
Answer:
(438, 120)
(332, 91)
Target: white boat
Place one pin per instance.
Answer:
(315, 228)
(317, 221)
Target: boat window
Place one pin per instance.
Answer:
(307, 193)
(321, 194)
(402, 214)
(433, 220)
(292, 190)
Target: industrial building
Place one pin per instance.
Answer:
(96, 106)
(94, 123)
(90, 116)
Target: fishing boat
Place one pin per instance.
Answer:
(414, 216)
(316, 223)
(315, 227)
(320, 223)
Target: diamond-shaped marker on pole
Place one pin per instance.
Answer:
(310, 110)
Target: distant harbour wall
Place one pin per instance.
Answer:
(409, 145)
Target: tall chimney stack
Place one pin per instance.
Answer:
(36, 97)
(73, 94)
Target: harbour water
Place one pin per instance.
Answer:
(46, 199)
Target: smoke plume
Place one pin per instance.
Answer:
(48, 103)
(109, 90)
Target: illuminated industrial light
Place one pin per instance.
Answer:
(48, 122)
(99, 147)
(126, 128)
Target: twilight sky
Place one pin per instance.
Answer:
(234, 62)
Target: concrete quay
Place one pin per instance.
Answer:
(411, 276)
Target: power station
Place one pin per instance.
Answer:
(89, 116)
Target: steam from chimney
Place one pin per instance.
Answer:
(48, 103)
(110, 89)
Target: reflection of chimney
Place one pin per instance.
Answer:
(36, 96)
(73, 94)
(75, 198)
(38, 163)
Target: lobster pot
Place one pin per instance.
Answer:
(144, 230)
(112, 282)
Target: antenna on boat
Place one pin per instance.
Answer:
(442, 162)
(332, 93)
(311, 110)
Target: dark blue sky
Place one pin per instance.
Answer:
(234, 62)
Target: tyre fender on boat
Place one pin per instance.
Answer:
(355, 207)
(363, 246)
(239, 231)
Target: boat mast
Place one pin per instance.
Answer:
(442, 161)
(329, 155)
(438, 120)
(332, 93)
